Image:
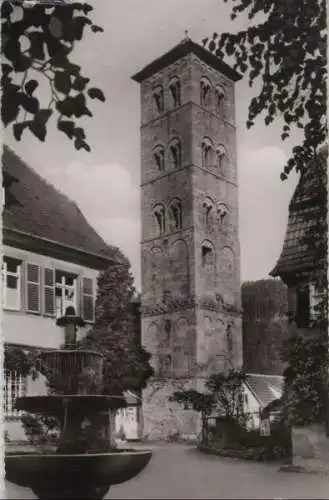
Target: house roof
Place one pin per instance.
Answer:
(44, 213)
(182, 49)
(297, 255)
(265, 388)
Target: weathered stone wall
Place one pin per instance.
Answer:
(162, 418)
(310, 448)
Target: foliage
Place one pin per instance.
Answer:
(284, 47)
(41, 430)
(223, 394)
(37, 43)
(126, 362)
(16, 360)
(305, 380)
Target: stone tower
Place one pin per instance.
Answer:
(191, 307)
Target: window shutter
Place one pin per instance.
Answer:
(32, 303)
(87, 299)
(49, 292)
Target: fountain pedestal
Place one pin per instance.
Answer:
(84, 464)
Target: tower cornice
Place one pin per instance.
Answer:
(184, 48)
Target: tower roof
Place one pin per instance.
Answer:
(186, 46)
(296, 254)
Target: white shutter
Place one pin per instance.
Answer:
(32, 298)
(49, 308)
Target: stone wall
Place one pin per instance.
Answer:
(310, 448)
(162, 418)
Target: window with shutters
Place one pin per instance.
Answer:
(87, 299)
(11, 276)
(32, 303)
(49, 306)
(65, 292)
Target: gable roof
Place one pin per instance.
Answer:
(44, 213)
(180, 50)
(297, 255)
(265, 388)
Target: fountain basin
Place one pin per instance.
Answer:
(88, 475)
(55, 404)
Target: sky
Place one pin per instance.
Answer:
(105, 182)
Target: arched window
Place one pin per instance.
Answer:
(229, 338)
(160, 217)
(175, 92)
(158, 99)
(220, 96)
(208, 208)
(207, 255)
(175, 151)
(159, 157)
(220, 155)
(207, 150)
(205, 91)
(176, 215)
(222, 213)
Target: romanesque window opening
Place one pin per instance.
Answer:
(158, 99)
(220, 96)
(220, 155)
(205, 91)
(159, 156)
(222, 213)
(229, 339)
(206, 151)
(176, 153)
(176, 214)
(175, 92)
(159, 214)
(207, 254)
(11, 280)
(208, 210)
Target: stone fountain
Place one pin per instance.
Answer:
(77, 467)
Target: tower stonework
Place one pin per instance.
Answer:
(191, 306)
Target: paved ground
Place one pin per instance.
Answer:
(179, 472)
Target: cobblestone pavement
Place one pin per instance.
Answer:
(183, 472)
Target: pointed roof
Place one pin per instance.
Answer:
(297, 255)
(185, 47)
(45, 214)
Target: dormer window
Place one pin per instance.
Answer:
(175, 149)
(175, 92)
(207, 151)
(158, 99)
(160, 217)
(159, 157)
(205, 92)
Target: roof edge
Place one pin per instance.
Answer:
(182, 49)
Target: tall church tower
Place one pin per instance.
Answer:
(191, 307)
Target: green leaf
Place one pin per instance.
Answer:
(80, 83)
(37, 47)
(18, 129)
(43, 115)
(9, 111)
(30, 104)
(95, 93)
(96, 29)
(66, 107)
(62, 82)
(30, 87)
(38, 129)
(67, 127)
